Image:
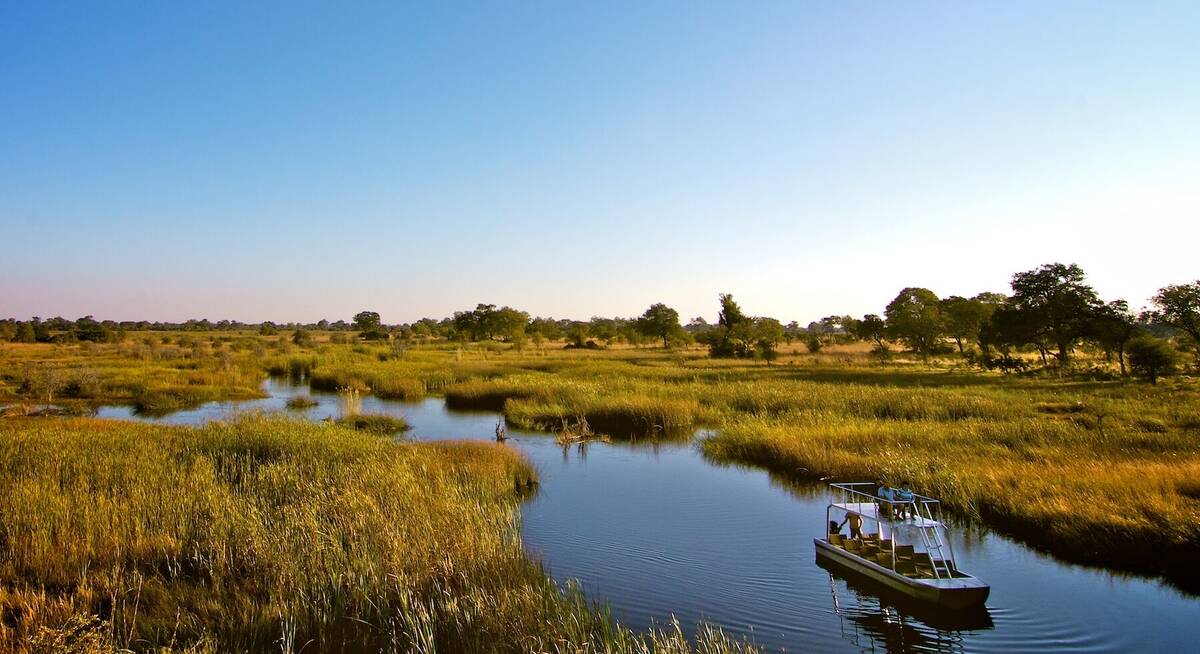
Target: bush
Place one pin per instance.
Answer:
(813, 343)
(1151, 358)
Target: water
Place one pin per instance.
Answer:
(658, 531)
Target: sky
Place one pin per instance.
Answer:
(295, 161)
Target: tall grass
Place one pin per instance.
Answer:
(992, 444)
(264, 533)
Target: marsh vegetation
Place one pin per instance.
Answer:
(289, 531)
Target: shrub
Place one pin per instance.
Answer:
(1151, 358)
(813, 343)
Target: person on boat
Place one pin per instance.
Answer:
(855, 521)
(887, 495)
(903, 494)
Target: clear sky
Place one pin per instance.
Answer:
(299, 161)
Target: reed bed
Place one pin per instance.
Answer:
(269, 533)
(1023, 452)
(1092, 486)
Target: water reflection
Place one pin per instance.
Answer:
(873, 617)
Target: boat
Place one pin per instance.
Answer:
(901, 544)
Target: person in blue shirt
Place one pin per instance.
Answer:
(903, 494)
(886, 494)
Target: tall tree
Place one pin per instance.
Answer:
(735, 335)
(768, 333)
(24, 333)
(1113, 327)
(1179, 306)
(915, 317)
(871, 328)
(660, 321)
(365, 320)
(1056, 303)
(963, 317)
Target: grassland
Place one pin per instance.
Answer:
(152, 375)
(1087, 466)
(1090, 467)
(272, 533)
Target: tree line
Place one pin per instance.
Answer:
(1051, 310)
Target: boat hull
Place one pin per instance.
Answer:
(957, 593)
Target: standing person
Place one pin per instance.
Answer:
(855, 521)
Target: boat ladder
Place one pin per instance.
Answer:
(933, 544)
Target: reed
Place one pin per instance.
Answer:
(375, 423)
(833, 413)
(263, 532)
(300, 402)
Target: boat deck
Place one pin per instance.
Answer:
(911, 564)
(870, 510)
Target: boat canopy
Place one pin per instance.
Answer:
(913, 523)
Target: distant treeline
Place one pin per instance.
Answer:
(1051, 310)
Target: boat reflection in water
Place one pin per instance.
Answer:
(875, 618)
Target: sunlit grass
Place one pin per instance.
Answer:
(265, 533)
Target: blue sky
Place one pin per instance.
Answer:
(293, 161)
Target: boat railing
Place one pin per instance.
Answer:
(925, 511)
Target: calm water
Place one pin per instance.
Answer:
(658, 531)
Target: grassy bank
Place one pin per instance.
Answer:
(1105, 475)
(267, 533)
(152, 376)
(1088, 466)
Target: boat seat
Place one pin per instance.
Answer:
(904, 551)
(884, 559)
(852, 545)
(906, 567)
(886, 544)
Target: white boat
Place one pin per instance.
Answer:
(901, 544)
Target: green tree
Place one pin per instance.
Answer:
(605, 329)
(268, 329)
(768, 334)
(963, 317)
(87, 329)
(735, 331)
(661, 322)
(544, 329)
(915, 317)
(302, 338)
(1113, 327)
(366, 321)
(1179, 306)
(1055, 304)
(508, 324)
(1151, 358)
(871, 328)
(813, 343)
(369, 326)
(24, 333)
(577, 334)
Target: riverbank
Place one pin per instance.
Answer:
(266, 532)
(1093, 469)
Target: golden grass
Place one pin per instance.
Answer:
(264, 533)
(1036, 455)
